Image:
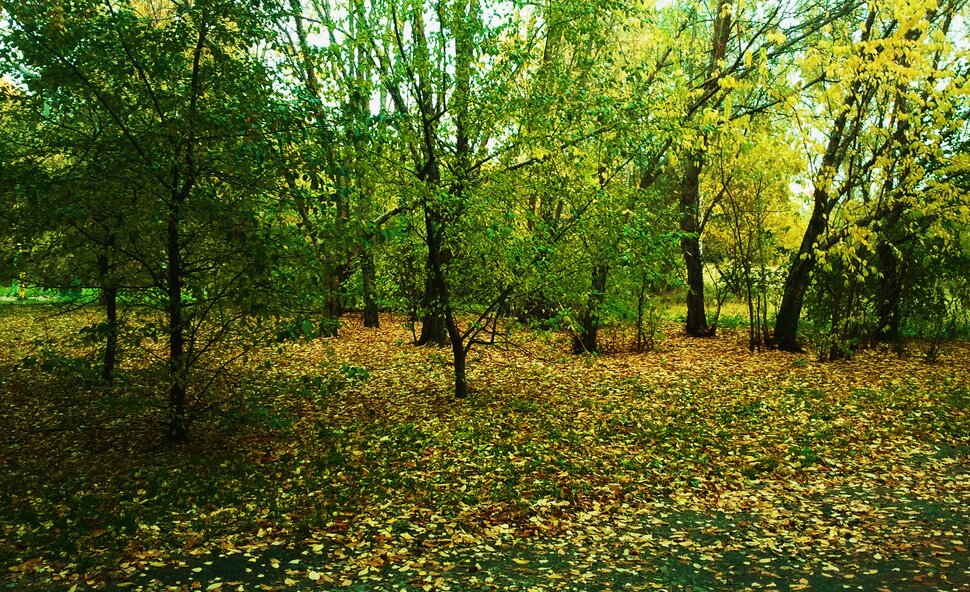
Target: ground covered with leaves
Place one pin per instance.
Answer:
(346, 464)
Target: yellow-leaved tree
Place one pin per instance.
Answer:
(873, 130)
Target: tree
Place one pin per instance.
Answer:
(727, 66)
(328, 178)
(752, 171)
(894, 51)
(176, 91)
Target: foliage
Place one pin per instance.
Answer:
(465, 162)
(152, 164)
(208, 189)
(888, 94)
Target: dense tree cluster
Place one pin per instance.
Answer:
(474, 164)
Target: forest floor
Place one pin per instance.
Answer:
(346, 464)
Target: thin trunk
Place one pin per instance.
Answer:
(585, 341)
(460, 99)
(459, 354)
(111, 339)
(461, 382)
(538, 207)
(753, 320)
(690, 246)
(434, 330)
(644, 341)
(437, 284)
(336, 278)
(464, 50)
(640, 319)
(836, 350)
(177, 360)
(361, 73)
(760, 319)
(433, 325)
(689, 198)
(109, 299)
(766, 337)
(332, 276)
(892, 266)
(371, 316)
(333, 280)
(850, 330)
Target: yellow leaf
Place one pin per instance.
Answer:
(521, 561)
(214, 586)
(313, 575)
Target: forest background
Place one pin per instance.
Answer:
(200, 182)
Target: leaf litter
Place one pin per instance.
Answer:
(345, 464)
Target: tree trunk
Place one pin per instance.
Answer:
(696, 314)
(836, 336)
(786, 323)
(690, 245)
(585, 341)
(453, 333)
(371, 316)
(641, 297)
(691, 224)
(459, 355)
(434, 329)
(331, 327)
(434, 326)
(109, 299)
(766, 337)
(799, 276)
(110, 296)
(754, 339)
(890, 294)
(177, 358)
(441, 317)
